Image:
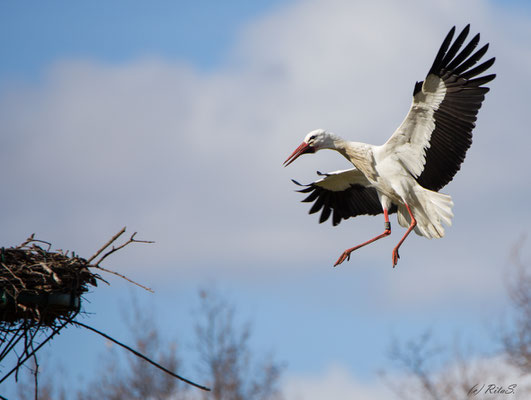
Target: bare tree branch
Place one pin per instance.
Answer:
(138, 354)
(517, 341)
(414, 357)
(106, 245)
(55, 331)
(226, 356)
(457, 376)
(131, 240)
(115, 249)
(123, 277)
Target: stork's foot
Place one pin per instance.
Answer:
(344, 256)
(396, 256)
(346, 253)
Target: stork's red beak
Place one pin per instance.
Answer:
(302, 149)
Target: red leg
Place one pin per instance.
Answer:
(411, 227)
(387, 232)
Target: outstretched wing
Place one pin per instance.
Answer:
(433, 139)
(342, 194)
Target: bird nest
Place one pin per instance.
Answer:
(39, 286)
(41, 293)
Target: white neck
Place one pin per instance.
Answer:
(359, 154)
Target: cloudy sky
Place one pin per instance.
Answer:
(174, 118)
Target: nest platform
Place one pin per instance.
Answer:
(39, 286)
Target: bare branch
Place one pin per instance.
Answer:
(123, 277)
(136, 353)
(414, 356)
(13, 275)
(226, 354)
(35, 374)
(31, 239)
(107, 245)
(517, 341)
(55, 330)
(114, 249)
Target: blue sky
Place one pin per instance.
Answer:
(174, 119)
(35, 36)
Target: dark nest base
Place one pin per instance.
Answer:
(38, 286)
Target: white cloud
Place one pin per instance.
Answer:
(476, 378)
(482, 376)
(193, 160)
(334, 383)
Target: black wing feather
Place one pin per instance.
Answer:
(351, 202)
(471, 61)
(456, 46)
(469, 48)
(456, 115)
(442, 51)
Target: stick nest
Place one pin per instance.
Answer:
(40, 294)
(40, 285)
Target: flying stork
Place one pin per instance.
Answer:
(405, 174)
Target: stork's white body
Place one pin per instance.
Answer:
(405, 174)
(396, 185)
(386, 172)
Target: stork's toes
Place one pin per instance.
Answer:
(396, 256)
(344, 256)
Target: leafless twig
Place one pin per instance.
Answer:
(35, 375)
(31, 239)
(131, 240)
(13, 275)
(136, 353)
(106, 245)
(123, 277)
(414, 357)
(115, 249)
(55, 331)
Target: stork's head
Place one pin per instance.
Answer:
(314, 141)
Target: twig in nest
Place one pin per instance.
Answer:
(31, 239)
(114, 249)
(13, 275)
(106, 245)
(131, 240)
(136, 353)
(123, 277)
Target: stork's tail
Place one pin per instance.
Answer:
(435, 209)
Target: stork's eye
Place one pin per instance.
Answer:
(311, 139)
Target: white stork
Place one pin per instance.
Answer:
(405, 174)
